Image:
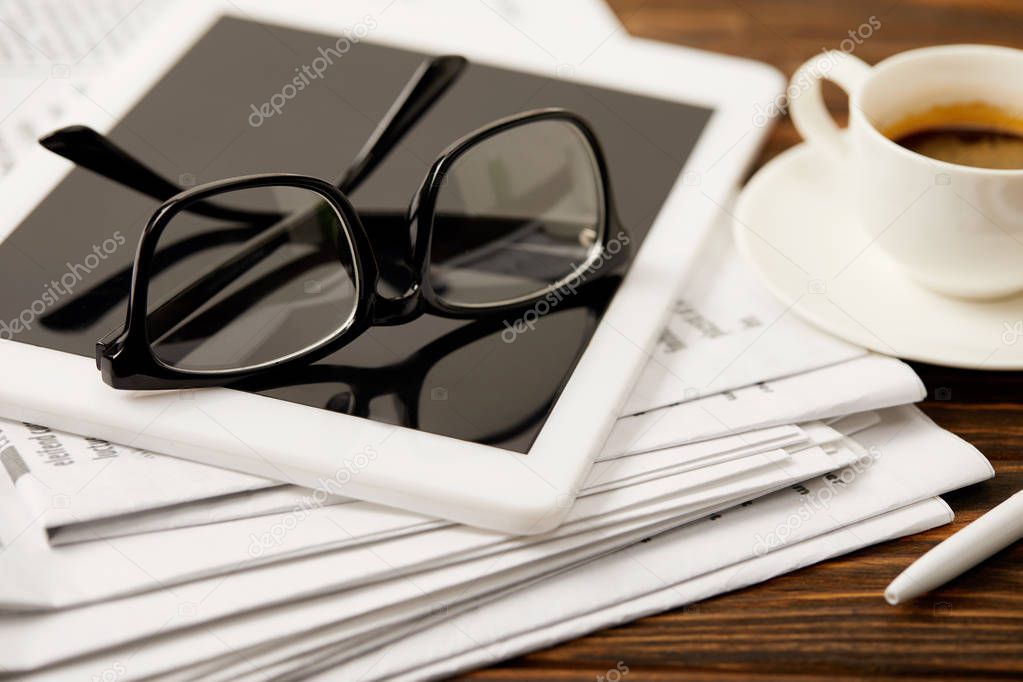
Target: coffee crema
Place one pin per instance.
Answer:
(969, 134)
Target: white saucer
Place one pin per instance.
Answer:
(794, 224)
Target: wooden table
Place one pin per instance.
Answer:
(830, 620)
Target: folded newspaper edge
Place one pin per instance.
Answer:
(911, 460)
(442, 650)
(326, 586)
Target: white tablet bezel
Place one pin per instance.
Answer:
(466, 482)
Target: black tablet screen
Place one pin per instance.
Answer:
(205, 120)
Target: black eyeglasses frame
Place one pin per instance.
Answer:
(125, 356)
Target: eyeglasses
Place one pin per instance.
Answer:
(246, 277)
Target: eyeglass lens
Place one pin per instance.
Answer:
(289, 286)
(516, 215)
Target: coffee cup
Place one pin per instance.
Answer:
(954, 228)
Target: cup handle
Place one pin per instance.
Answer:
(806, 102)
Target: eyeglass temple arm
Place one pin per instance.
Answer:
(90, 149)
(428, 83)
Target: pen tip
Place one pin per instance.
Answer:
(891, 596)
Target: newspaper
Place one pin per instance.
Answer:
(286, 498)
(536, 616)
(100, 570)
(867, 383)
(664, 564)
(278, 499)
(50, 53)
(911, 460)
(616, 473)
(83, 480)
(728, 331)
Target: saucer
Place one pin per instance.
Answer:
(794, 225)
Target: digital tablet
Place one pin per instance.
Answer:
(489, 421)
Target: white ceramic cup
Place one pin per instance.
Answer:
(957, 230)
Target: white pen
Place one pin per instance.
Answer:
(989, 534)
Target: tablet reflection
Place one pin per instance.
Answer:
(457, 385)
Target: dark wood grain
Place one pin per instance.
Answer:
(829, 620)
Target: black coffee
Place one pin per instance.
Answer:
(968, 133)
(968, 146)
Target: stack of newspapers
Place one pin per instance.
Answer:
(124, 564)
(752, 445)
